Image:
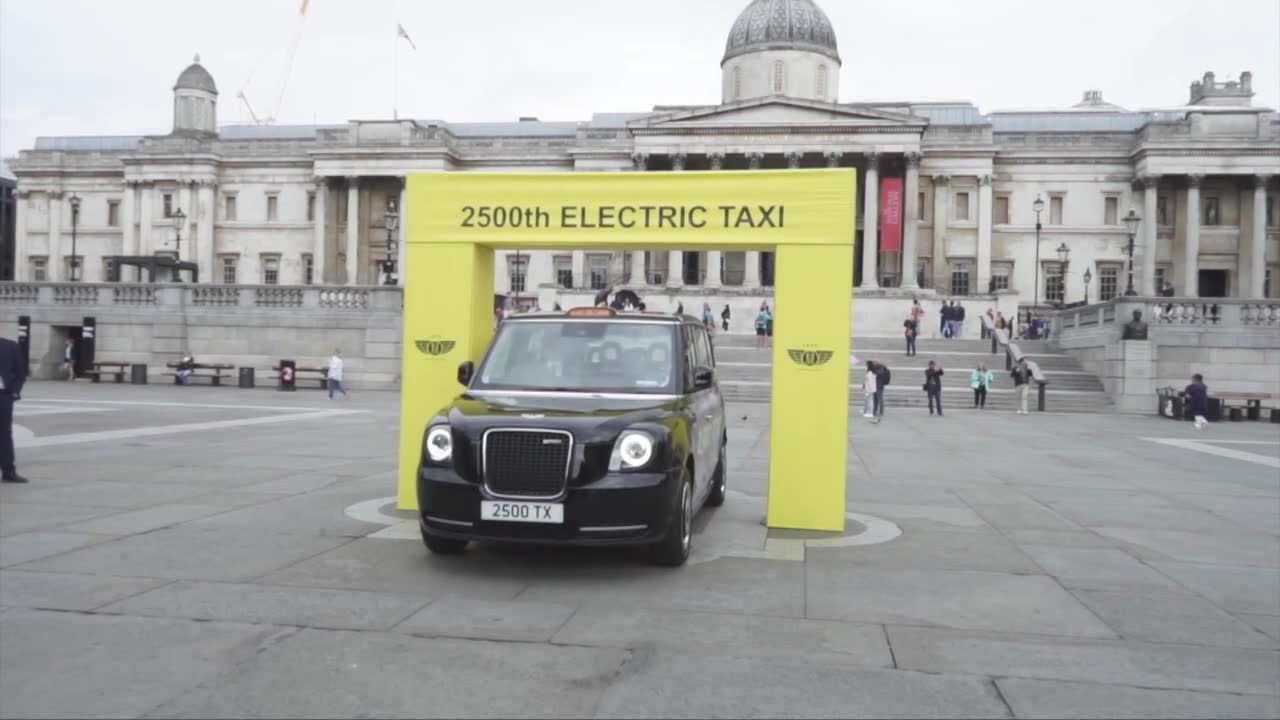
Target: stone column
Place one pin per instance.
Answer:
(641, 161)
(871, 224)
(639, 276)
(402, 235)
(21, 241)
(128, 216)
(910, 211)
(353, 230)
(1258, 243)
(188, 231)
(754, 159)
(675, 258)
(580, 279)
(717, 160)
(834, 158)
(984, 233)
(713, 269)
(205, 255)
(1191, 249)
(1150, 233)
(57, 273)
(319, 259)
(793, 160)
(145, 191)
(941, 183)
(677, 161)
(751, 259)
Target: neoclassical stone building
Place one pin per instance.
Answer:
(308, 204)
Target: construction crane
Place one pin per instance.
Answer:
(270, 117)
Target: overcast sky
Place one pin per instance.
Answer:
(89, 67)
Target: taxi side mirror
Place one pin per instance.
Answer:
(466, 371)
(703, 377)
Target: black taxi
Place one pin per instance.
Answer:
(586, 427)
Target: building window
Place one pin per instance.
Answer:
(1108, 282)
(1001, 210)
(270, 269)
(273, 204)
(599, 267)
(1211, 211)
(920, 206)
(960, 279)
(109, 270)
(1162, 273)
(962, 206)
(167, 204)
(113, 213)
(737, 82)
(777, 76)
(1053, 284)
(1000, 277)
(922, 272)
(229, 263)
(1162, 210)
(1271, 211)
(39, 269)
(517, 267)
(1266, 284)
(1111, 211)
(308, 269)
(822, 82)
(1055, 210)
(229, 208)
(564, 271)
(311, 207)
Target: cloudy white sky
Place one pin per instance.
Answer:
(87, 67)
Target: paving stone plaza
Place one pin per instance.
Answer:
(211, 552)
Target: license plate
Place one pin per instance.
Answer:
(525, 512)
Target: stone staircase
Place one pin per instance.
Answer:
(745, 373)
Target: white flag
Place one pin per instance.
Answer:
(401, 33)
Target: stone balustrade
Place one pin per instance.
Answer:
(201, 296)
(1173, 312)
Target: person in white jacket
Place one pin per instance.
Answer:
(335, 374)
(869, 388)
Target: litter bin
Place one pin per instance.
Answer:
(288, 375)
(1236, 413)
(1170, 403)
(138, 374)
(246, 377)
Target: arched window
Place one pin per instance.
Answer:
(822, 82)
(737, 82)
(777, 76)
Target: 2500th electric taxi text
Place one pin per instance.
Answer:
(643, 217)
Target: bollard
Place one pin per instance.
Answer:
(246, 377)
(1235, 414)
(138, 374)
(1255, 411)
(1040, 399)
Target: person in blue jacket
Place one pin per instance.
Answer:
(1197, 394)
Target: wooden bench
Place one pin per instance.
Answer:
(1238, 404)
(213, 372)
(322, 374)
(100, 369)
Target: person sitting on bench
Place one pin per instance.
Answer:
(185, 367)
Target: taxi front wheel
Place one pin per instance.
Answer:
(673, 549)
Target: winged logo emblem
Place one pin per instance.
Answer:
(435, 348)
(810, 358)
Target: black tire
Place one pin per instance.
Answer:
(719, 481)
(673, 549)
(443, 546)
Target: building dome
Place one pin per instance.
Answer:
(195, 77)
(781, 25)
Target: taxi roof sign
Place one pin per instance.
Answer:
(591, 312)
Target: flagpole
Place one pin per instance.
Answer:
(395, 102)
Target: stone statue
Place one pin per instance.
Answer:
(1135, 329)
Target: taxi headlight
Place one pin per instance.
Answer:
(633, 450)
(440, 444)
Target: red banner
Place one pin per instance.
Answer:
(891, 214)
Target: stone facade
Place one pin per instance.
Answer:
(309, 204)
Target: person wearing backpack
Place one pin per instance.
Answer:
(909, 331)
(724, 318)
(882, 381)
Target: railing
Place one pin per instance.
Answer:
(1173, 312)
(1011, 355)
(344, 298)
(19, 293)
(133, 295)
(177, 295)
(287, 297)
(75, 294)
(215, 296)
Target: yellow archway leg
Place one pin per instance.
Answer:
(448, 318)
(809, 420)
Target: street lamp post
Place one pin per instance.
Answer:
(1064, 260)
(75, 222)
(391, 219)
(1038, 206)
(1088, 278)
(1131, 224)
(179, 218)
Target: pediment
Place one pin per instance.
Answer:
(764, 112)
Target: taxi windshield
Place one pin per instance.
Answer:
(581, 356)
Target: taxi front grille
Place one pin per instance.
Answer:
(526, 463)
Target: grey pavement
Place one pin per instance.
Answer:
(217, 552)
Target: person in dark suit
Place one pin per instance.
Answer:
(13, 375)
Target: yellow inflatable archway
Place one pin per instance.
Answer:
(456, 220)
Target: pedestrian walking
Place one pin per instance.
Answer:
(958, 317)
(933, 386)
(13, 374)
(1197, 394)
(944, 319)
(762, 325)
(1021, 383)
(882, 381)
(708, 318)
(69, 359)
(917, 315)
(981, 379)
(724, 318)
(334, 376)
(869, 391)
(909, 330)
